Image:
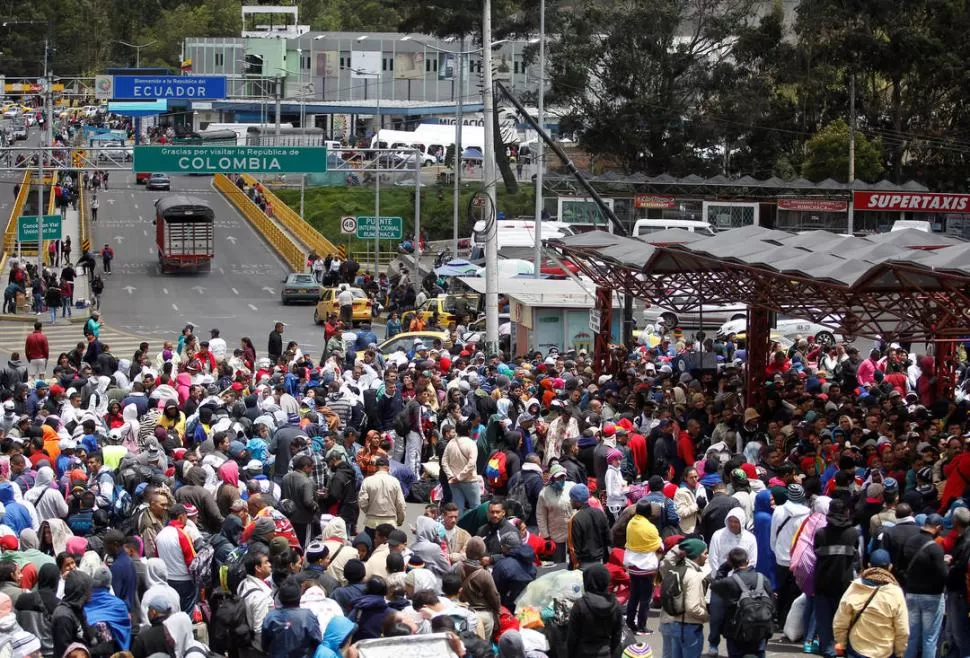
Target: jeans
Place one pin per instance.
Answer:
(808, 619)
(66, 307)
(957, 628)
(397, 448)
(187, 593)
(638, 607)
(466, 495)
(682, 640)
(716, 610)
(925, 621)
(412, 453)
(825, 608)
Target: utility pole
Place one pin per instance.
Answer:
(278, 101)
(459, 117)
(40, 166)
(851, 212)
(491, 207)
(540, 165)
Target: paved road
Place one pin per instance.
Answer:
(240, 296)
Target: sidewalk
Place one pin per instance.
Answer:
(70, 226)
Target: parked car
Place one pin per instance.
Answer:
(159, 182)
(328, 304)
(709, 315)
(824, 334)
(405, 341)
(20, 130)
(300, 288)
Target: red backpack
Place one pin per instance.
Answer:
(496, 470)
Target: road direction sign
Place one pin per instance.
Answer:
(231, 159)
(27, 227)
(348, 224)
(392, 228)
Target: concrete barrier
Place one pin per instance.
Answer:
(291, 254)
(295, 224)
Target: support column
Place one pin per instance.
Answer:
(943, 355)
(601, 341)
(757, 343)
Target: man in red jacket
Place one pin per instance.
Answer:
(37, 352)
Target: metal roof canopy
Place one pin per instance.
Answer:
(906, 284)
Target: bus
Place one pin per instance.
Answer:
(287, 136)
(206, 137)
(184, 234)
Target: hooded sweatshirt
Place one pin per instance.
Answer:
(179, 627)
(427, 546)
(15, 516)
(68, 622)
(836, 554)
(762, 534)
(803, 551)
(335, 539)
(33, 618)
(335, 636)
(49, 502)
(513, 572)
(883, 630)
(156, 577)
(596, 620)
(724, 540)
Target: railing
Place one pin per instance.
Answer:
(289, 252)
(295, 224)
(10, 235)
(51, 208)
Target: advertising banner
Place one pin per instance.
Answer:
(813, 205)
(912, 201)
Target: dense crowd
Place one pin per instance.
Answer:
(198, 498)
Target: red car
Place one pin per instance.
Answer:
(141, 178)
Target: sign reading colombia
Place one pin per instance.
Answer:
(913, 201)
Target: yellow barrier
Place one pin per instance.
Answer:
(10, 235)
(295, 224)
(51, 208)
(291, 254)
(84, 230)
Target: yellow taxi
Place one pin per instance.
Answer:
(445, 306)
(362, 311)
(405, 341)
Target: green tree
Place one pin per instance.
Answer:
(450, 156)
(827, 155)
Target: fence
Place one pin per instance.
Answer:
(295, 224)
(10, 235)
(289, 252)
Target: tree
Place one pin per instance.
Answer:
(632, 79)
(450, 156)
(828, 155)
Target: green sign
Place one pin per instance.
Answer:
(392, 228)
(27, 227)
(184, 159)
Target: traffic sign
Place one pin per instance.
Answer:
(195, 87)
(392, 228)
(594, 320)
(348, 225)
(27, 227)
(184, 159)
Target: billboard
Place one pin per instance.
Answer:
(328, 63)
(365, 64)
(813, 205)
(913, 201)
(447, 66)
(654, 201)
(409, 66)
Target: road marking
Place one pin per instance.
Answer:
(145, 231)
(253, 307)
(175, 308)
(136, 206)
(222, 272)
(151, 250)
(165, 291)
(234, 291)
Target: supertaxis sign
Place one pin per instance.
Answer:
(193, 87)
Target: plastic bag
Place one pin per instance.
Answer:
(541, 591)
(529, 617)
(795, 624)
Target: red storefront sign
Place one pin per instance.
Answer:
(913, 201)
(813, 205)
(654, 201)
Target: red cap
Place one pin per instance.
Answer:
(670, 489)
(750, 471)
(609, 429)
(465, 354)
(57, 389)
(9, 543)
(444, 364)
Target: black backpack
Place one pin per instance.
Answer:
(672, 598)
(754, 613)
(519, 496)
(229, 629)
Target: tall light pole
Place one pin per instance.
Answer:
(137, 49)
(377, 169)
(491, 209)
(538, 154)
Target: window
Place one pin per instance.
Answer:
(516, 65)
(388, 63)
(220, 59)
(431, 64)
(475, 66)
(305, 63)
(344, 62)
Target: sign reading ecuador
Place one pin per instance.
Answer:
(184, 159)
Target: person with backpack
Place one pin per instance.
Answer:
(682, 598)
(750, 605)
(252, 603)
(524, 489)
(588, 533)
(503, 463)
(872, 619)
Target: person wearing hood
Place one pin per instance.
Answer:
(733, 534)
(341, 498)
(156, 577)
(336, 638)
(683, 635)
(179, 629)
(803, 562)
(68, 623)
(314, 598)
(764, 505)
(21, 642)
(290, 630)
(103, 607)
(883, 629)
(334, 538)
(835, 546)
(477, 586)
(47, 500)
(429, 535)
(228, 488)
(16, 516)
(785, 521)
(596, 620)
(152, 636)
(370, 610)
(33, 617)
(193, 492)
(48, 583)
(510, 645)
(514, 571)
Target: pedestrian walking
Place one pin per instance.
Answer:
(107, 255)
(95, 204)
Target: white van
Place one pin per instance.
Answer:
(515, 233)
(647, 226)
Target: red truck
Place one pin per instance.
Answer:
(184, 234)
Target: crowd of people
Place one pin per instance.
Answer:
(198, 498)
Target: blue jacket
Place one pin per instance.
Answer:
(762, 535)
(124, 579)
(670, 517)
(347, 596)
(291, 633)
(513, 572)
(16, 517)
(338, 630)
(369, 613)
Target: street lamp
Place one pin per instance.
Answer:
(137, 49)
(459, 108)
(540, 118)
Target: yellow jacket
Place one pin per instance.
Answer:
(882, 630)
(642, 536)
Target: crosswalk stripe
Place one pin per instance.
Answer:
(65, 337)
